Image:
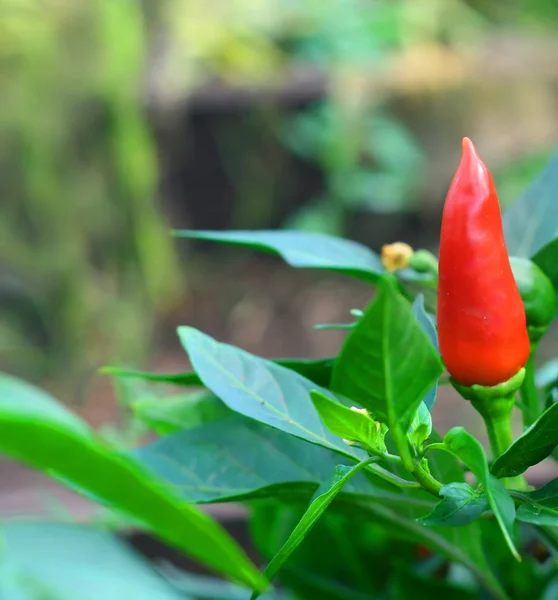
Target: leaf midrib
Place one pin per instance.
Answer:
(308, 433)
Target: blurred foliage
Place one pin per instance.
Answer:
(537, 13)
(514, 178)
(85, 257)
(85, 251)
(370, 161)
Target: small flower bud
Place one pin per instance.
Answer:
(423, 261)
(396, 256)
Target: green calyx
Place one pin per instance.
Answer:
(537, 294)
(476, 393)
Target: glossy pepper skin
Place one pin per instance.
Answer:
(481, 318)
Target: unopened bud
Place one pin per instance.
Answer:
(424, 261)
(396, 256)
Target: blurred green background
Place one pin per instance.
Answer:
(121, 120)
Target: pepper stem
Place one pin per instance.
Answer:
(495, 406)
(528, 391)
(496, 414)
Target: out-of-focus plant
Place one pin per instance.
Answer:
(370, 158)
(84, 248)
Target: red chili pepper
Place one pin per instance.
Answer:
(481, 317)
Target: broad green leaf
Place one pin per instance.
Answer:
(460, 505)
(240, 458)
(531, 448)
(183, 411)
(469, 450)
(547, 260)
(539, 514)
(324, 497)
(540, 507)
(36, 429)
(303, 250)
(318, 371)
(531, 221)
(428, 325)
(260, 389)
(72, 562)
(387, 363)
(348, 424)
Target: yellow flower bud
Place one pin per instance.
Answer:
(396, 256)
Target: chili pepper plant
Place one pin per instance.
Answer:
(350, 491)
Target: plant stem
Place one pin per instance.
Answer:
(392, 478)
(498, 427)
(528, 391)
(427, 481)
(392, 458)
(496, 413)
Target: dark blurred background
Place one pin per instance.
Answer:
(122, 119)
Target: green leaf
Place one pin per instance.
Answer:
(444, 466)
(421, 426)
(530, 222)
(429, 328)
(260, 389)
(531, 448)
(303, 250)
(72, 562)
(318, 371)
(460, 505)
(240, 458)
(387, 363)
(469, 450)
(349, 424)
(538, 514)
(324, 497)
(540, 507)
(547, 260)
(183, 411)
(36, 429)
